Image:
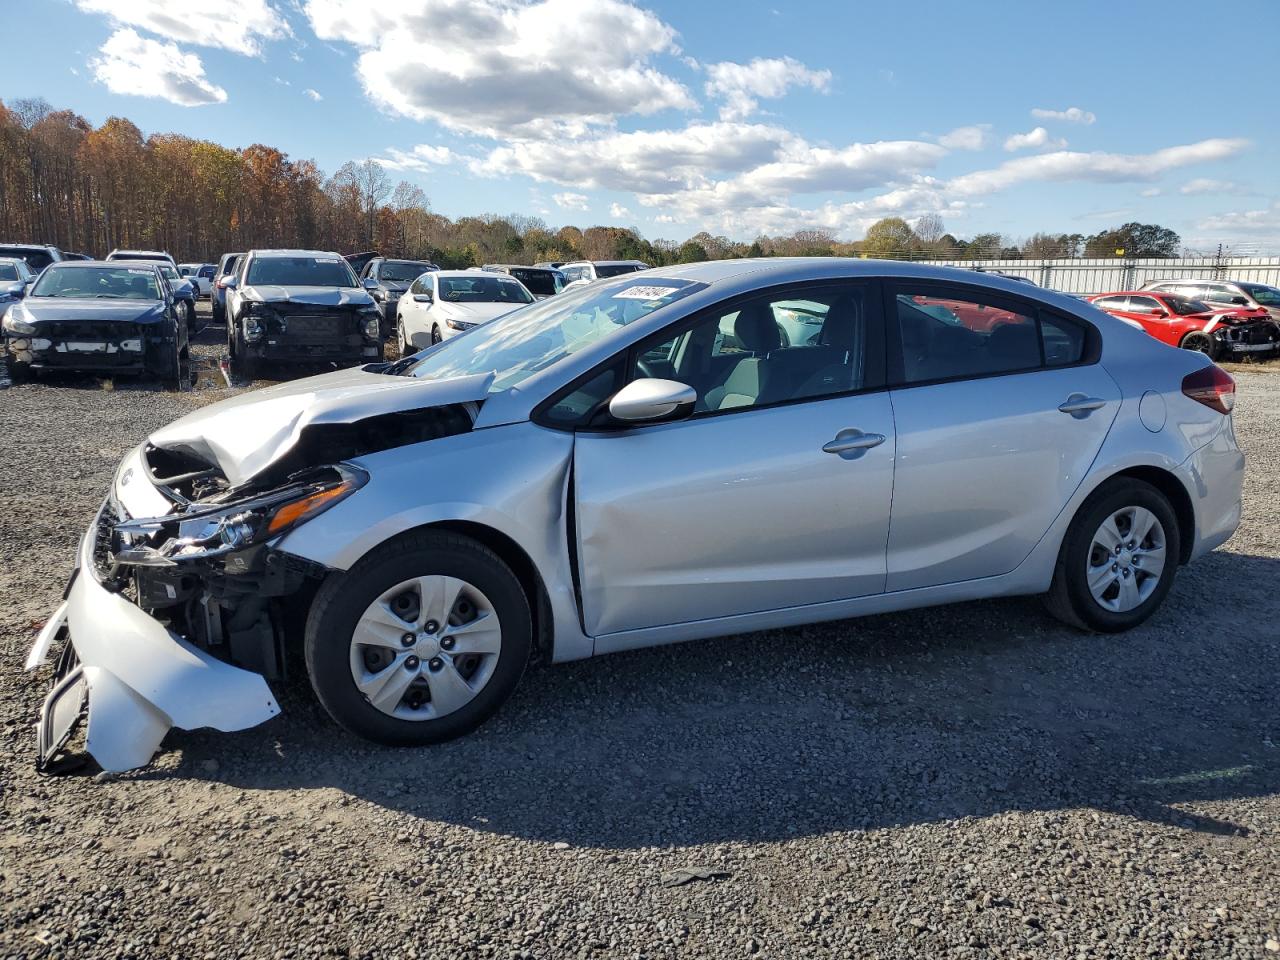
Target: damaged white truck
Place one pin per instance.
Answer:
(680, 453)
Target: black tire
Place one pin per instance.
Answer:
(343, 599)
(216, 313)
(177, 370)
(435, 334)
(402, 342)
(20, 372)
(1069, 598)
(1202, 343)
(243, 366)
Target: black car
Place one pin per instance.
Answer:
(100, 317)
(542, 282)
(387, 280)
(37, 255)
(218, 299)
(299, 306)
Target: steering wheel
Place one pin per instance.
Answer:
(643, 366)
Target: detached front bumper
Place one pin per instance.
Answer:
(136, 678)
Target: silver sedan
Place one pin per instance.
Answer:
(645, 460)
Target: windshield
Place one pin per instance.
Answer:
(1183, 306)
(616, 269)
(301, 272)
(8, 271)
(541, 283)
(482, 288)
(403, 271)
(87, 283)
(518, 345)
(1267, 296)
(36, 259)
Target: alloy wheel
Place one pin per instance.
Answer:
(1126, 559)
(425, 648)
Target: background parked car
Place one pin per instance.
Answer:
(142, 255)
(551, 264)
(446, 302)
(200, 275)
(298, 306)
(218, 301)
(183, 289)
(1180, 322)
(77, 256)
(1223, 293)
(542, 282)
(37, 255)
(102, 317)
(387, 280)
(593, 270)
(15, 279)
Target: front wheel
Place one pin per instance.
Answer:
(243, 366)
(1201, 343)
(1118, 559)
(435, 334)
(420, 642)
(402, 342)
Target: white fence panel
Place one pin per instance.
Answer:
(1107, 274)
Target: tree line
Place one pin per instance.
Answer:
(87, 189)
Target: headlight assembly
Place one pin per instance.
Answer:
(13, 325)
(458, 324)
(204, 531)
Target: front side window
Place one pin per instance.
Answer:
(1184, 306)
(773, 349)
(946, 336)
(206, 272)
(301, 272)
(105, 283)
(1111, 303)
(8, 271)
(1144, 305)
(1219, 294)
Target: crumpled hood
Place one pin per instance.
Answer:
(55, 309)
(317, 296)
(473, 312)
(246, 434)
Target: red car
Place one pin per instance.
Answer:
(1179, 321)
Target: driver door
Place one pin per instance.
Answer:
(775, 493)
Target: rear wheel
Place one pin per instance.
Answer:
(1201, 343)
(420, 642)
(1118, 560)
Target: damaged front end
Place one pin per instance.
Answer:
(174, 615)
(172, 618)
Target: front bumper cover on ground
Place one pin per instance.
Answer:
(137, 677)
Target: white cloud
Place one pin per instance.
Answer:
(742, 85)
(131, 64)
(966, 138)
(1151, 192)
(618, 211)
(420, 158)
(1262, 221)
(1206, 185)
(499, 68)
(571, 201)
(313, 94)
(1095, 167)
(1070, 115)
(236, 25)
(1038, 138)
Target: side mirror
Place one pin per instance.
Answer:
(370, 283)
(228, 283)
(649, 399)
(1159, 314)
(1240, 301)
(422, 298)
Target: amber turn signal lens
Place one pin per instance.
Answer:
(300, 510)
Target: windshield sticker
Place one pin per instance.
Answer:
(145, 273)
(646, 293)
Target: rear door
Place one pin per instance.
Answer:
(774, 494)
(996, 428)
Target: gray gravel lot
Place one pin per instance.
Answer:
(963, 781)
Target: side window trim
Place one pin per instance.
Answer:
(895, 374)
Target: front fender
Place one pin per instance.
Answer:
(512, 479)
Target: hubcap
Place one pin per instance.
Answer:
(1126, 559)
(425, 648)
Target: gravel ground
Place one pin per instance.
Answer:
(964, 781)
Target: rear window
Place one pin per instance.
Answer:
(37, 260)
(301, 272)
(98, 283)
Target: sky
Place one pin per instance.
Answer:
(733, 117)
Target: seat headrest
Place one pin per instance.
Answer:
(756, 329)
(1016, 342)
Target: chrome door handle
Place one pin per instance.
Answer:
(851, 444)
(1080, 406)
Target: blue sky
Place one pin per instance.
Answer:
(734, 117)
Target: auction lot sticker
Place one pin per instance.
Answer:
(645, 293)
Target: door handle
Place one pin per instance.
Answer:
(851, 444)
(1080, 406)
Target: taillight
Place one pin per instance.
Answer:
(1211, 386)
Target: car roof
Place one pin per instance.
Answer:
(113, 264)
(517, 266)
(159, 254)
(604, 263)
(29, 246)
(469, 272)
(283, 252)
(13, 260)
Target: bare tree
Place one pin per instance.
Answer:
(929, 229)
(374, 188)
